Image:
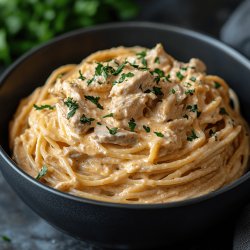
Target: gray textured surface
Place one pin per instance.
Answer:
(26, 230)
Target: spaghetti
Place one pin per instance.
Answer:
(131, 125)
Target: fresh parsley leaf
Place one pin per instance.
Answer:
(157, 60)
(98, 69)
(173, 91)
(123, 77)
(190, 91)
(85, 120)
(217, 85)
(179, 75)
(194, 108)
(141, 55)
(167, 78)
(159, 134)
(112, 131)
(193, 136)
(223, 111)
(46, 106)
(6, 238)
(192, 78)
(157, 91)
(132, 124)
(184, 68)
(108, 115)
(81, 76)
(119, 69)
(94, 100)
(98, 123)
(72, 105)
(185, 116)
(146, 128)
(42, 172)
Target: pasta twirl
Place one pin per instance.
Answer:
(132, 125)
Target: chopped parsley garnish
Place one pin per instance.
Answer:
(193, 136)
(98, 123)
(217, 85)
(90, 80)
(223, 111)
(157, 91)
(98, 69)
(141, 55)
(157, 60)
(72, 105)
(42, 172)
(190, 91)
(46, 106)
(94, 100)
(192, 78)
(85, 120)
(185, 116)
(179, 75)
(167, 78)
(159, 134)
(146, 128)
(123, 77)
(184, 68)
(6, 238)
(108, 115)
(173, 91)
(136, 66)
(159, 74)
(119, 69)
(112, 131)
(194, 108)
(132, 124)
(81, 76)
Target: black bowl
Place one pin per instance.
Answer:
(111, 224)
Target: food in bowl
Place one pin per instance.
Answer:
(132, 125)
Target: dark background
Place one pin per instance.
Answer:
(227, 20)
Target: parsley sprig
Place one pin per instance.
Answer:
(95, 100)
(141, 55)
(108, 115)
(81, 76)
(72, 105)
(194, 109)
(146, 128)
(123, 77)
(159, 134)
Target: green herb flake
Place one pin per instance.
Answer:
(190, 91)
(167, 78)
(193, 136)
(46, 106)
(87, 120)
(159, 134)
(223, 111)
(179, 75)
(42, 172)
(184, 68)
(157, 60)
(157, 91)
(112, 131)
(98, 123)
(108, 115)
(72, 105)
(185, 116)
(141, 55)
(217, 85)
(6, 238)
(173, 91)
(94, 100)
(159, 74)
(119, 69)
(192, 78)
(123, 77)
(146, 128)
(132, 124)
(194, 108)
(81, 76)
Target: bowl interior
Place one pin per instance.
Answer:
(33, 69)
